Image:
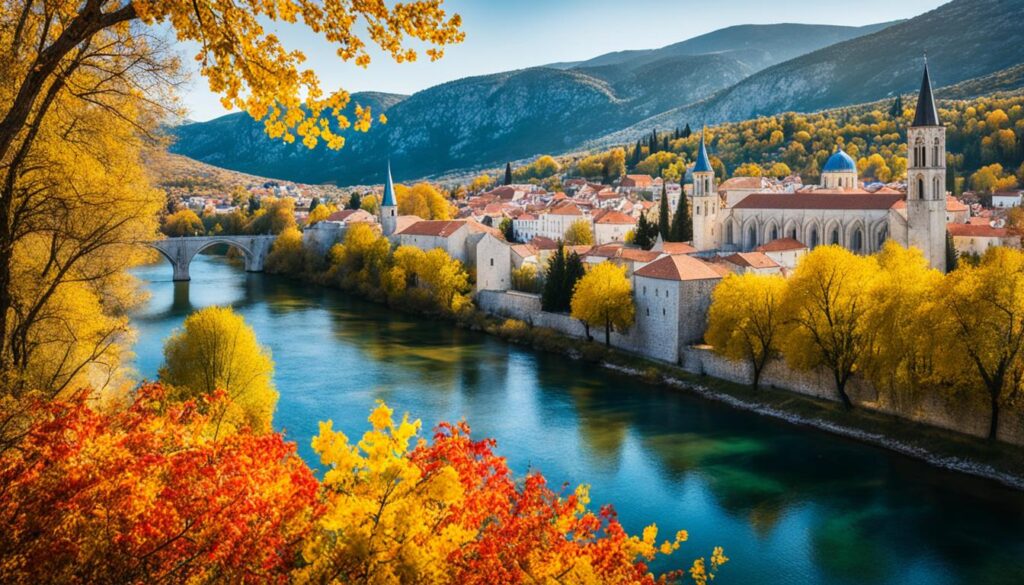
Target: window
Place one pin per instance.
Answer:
(835, 236)
(814, 237)
(752, 237)
(728, 234)
(858, 241)
(492, 261)
(645, 290)
(775, 233)
(920, 188)
(648, 312)
(663, 312)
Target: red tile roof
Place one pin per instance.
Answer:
(543, 243)
(441, 228)
(781, 245)
(751, 260)
(568, 209)
(679, 267)
(976, 231)
(614, 217)
(677, 248)
(838, 201)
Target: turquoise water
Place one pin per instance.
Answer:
(790, 505)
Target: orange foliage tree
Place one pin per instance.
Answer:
(145, 495)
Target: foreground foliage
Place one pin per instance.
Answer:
(149, 493)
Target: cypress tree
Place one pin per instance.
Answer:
(508, 173)
(313, 204)
(637, 150)
(663, 216)
(554, 281)
(645, 233)
(687, 131)
(573, 273)
(355, 201)
(682, 226)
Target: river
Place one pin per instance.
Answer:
(790, 505)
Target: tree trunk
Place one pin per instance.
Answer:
(608, 332)
(841, 388)
(993, 425)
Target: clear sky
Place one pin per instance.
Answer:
(513, 34)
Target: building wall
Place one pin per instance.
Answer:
(322, 236)
(493, 264)
(605, 233)
(872, 223)
(657, 317)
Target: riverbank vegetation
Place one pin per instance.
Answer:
(890, 319)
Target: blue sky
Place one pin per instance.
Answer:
(512, 34)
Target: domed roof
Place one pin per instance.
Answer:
(840, 162)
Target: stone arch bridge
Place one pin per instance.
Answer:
(180, 251)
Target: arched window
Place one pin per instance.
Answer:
(920, 187)
(835, 236)
(937, 187)
(775, 233)
(751, 237)
(935, 154)
(792, 234)
(919, 160)
(858, 241)
(728, 234)
(814, 237)
(882, 235)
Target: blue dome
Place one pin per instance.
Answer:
(840, 162)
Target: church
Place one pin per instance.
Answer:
(838, 210)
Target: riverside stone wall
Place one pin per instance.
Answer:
(931, 409)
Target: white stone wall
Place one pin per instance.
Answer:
(605, 233)
(657, 317)
(320, 237)
(493, 264)
(454, 245)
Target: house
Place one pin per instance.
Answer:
(612, 226)
(1005, 199)
(672, 297)
(449, 235)
(786, 252)
(322, 235)
(751, 262)
(493, 264)
(637, 182)
(970, 238)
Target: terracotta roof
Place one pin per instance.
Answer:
(582, 250)
(543, 243)
(615, 217)
(679, 267)
(954, 204)
(605, 250)
(478, 227)
(343, 214)
(751, 260)
(818, 201)
(441, 228)
(637, 255)
(568, 209)
(976, 231)
(781, 245)
(742, 183)
(524, 250)
(677, 248)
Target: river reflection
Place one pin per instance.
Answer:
(789, 505)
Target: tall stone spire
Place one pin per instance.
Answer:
(389, 189)
(703, 164)
(926, 114)
(388, 206)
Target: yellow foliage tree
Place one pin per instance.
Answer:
(288, 255)
(216, 350)
(984, 337)
(745, 321)
(320, 213)
(604, 298)
(423, 200)
(579, 233)
(183, 223)
(274, 217)
(370, 204)
(525, 279)
(824, 309)
(748, 170)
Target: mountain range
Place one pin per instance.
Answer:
(730, 74)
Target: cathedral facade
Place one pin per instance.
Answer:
(838, 210)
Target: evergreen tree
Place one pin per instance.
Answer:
(254, 205)
(663, 216)
(355, 201)
(952, 257)
(664, 143)
(574, 271)
(897, 107)
(313, 204)
(637, 152)
(506, 230)
(654, 141)
(687, 132)
(682, 225)
(554, 281)
(508, 173)
(645, 233)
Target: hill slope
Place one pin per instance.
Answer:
(964, 39)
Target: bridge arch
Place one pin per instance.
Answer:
(180, 251)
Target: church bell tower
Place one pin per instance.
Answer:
(388, 206)
(706, 203)
(926, 178)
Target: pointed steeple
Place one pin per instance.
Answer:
(926, 114)
(389, 190)
(703, 163)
